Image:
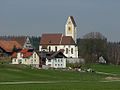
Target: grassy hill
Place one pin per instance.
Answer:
(24, 73)
(61, 80)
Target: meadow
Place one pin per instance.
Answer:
(113, 69)
(57, 79)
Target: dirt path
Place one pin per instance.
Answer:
(35, 82)
(29, 82)
(48, 82)
(107, 73)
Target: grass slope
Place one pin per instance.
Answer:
(113, 69)
(86, 81)
(65, 86)
(21, 73)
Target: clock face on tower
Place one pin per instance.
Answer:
(69, 30)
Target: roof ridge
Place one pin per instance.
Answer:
(73, 21)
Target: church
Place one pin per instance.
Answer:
(65, 42)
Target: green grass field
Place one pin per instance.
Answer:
(65, 86)
(57, 79)
(107, 68)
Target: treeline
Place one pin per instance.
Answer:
(35, 41)
(91, 49)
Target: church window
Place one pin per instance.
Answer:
(56, 49)
(66, 50)
(71, 50)
(49, 49)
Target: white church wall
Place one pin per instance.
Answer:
(69, 47)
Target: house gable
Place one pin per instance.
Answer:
(27, 44)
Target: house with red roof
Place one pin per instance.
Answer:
(7, 47)
(27, 57)
(24, 41)
(67, 42)
(39, 59)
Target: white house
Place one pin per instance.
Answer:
(26, 57)
(56, 60)
(55, 42)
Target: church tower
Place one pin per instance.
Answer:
(70, 28)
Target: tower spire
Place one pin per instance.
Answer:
(70, 28)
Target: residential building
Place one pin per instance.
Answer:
(7, 47)
(56, 59)
(27, 57)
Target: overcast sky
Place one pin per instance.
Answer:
(34, 17)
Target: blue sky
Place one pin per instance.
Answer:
(34, 17)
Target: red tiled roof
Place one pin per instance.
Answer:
(21, 39)
(50, 39)
(67, 40)
(9, 45)
(25, 53)
(24, 50)
(56, 39)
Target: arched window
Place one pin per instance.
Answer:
(49, 48)
(71, 50)
(66, 50)
(56, 49)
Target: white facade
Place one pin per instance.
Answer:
(33, 60)
(70, 28)
(56, 63)
(69, 50)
